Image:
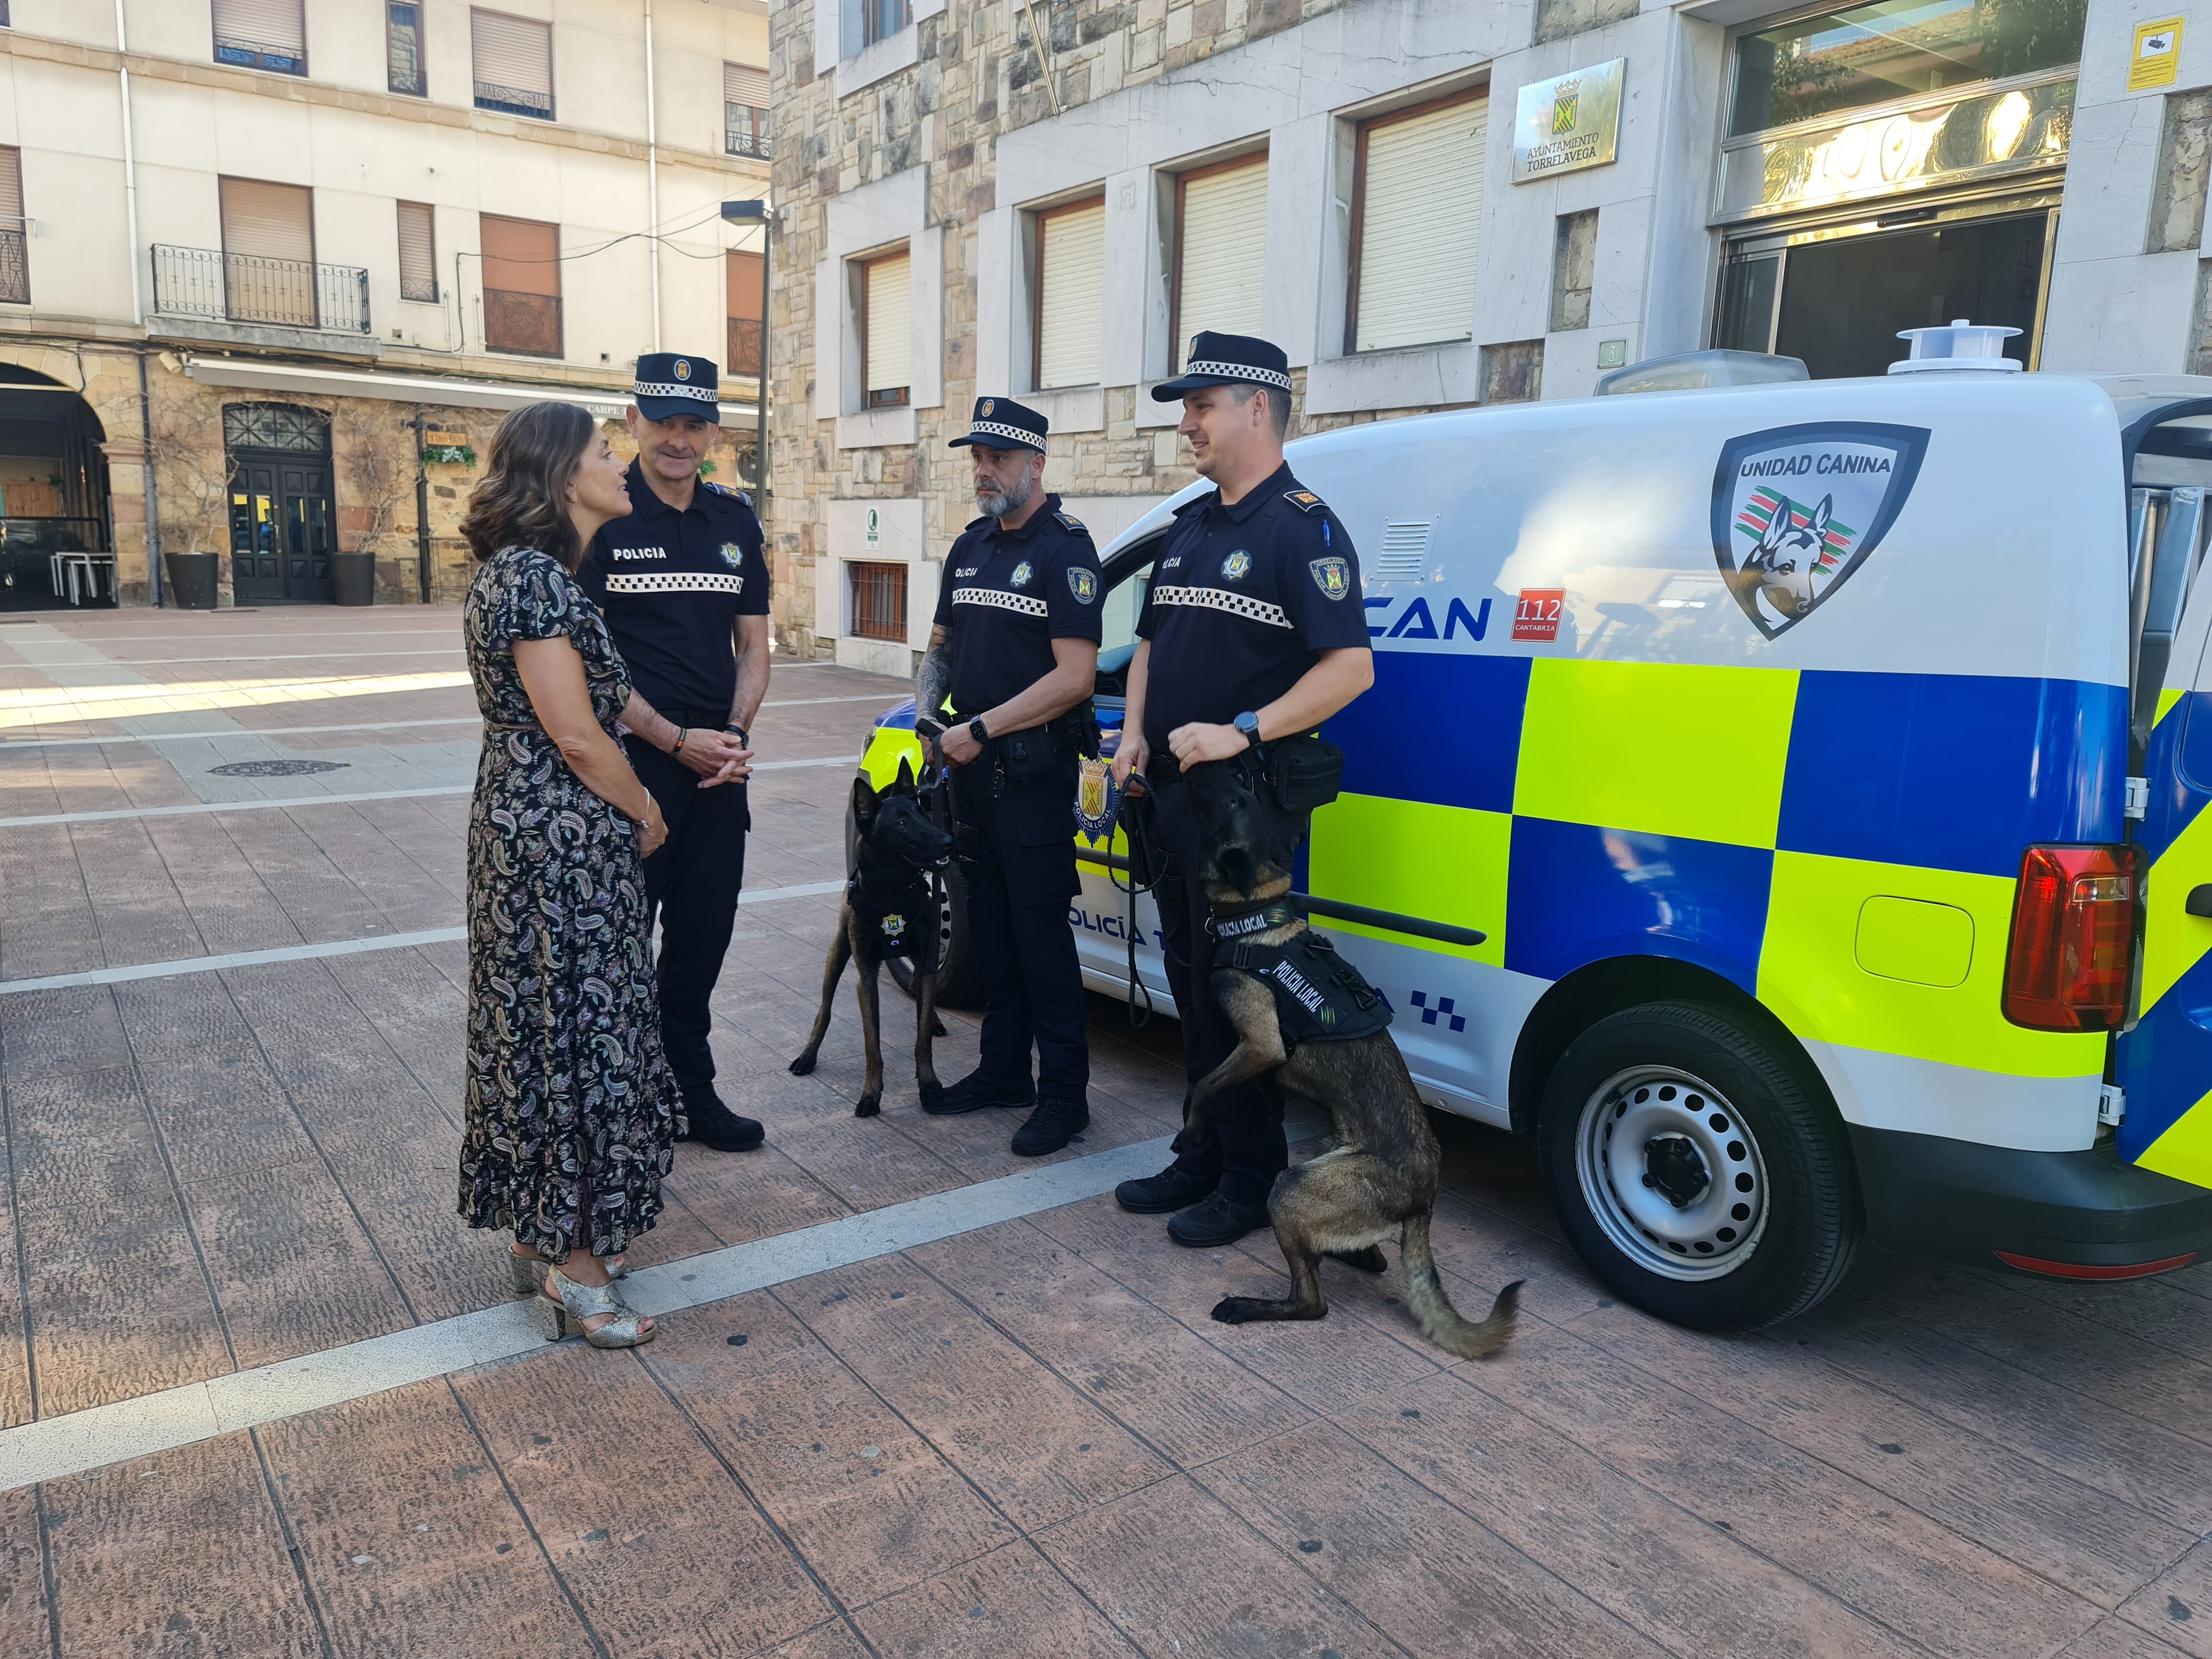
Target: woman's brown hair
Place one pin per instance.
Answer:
(523, 500)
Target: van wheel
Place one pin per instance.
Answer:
(959, 978)
(1701, 1172)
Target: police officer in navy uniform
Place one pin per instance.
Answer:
(683, 583)
(1015, 650)
(1254, 630)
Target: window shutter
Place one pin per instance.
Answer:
(743, 84)
(11, 188)
(1224, 243)
(268, 221)
(1070, 295)
(418, 254)
(889, 351)
(521, 256)
(742, 285)
(277, 26)
(1420, 218)
(514, 53)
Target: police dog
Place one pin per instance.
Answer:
(890, 885)
(1380, 1177)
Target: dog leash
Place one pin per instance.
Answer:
(1133, 835)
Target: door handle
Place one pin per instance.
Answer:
(2199, 903)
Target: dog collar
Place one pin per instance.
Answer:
(1236, 924)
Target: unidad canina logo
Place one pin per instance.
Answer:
(1564, 101)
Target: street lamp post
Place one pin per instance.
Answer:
(759, 212)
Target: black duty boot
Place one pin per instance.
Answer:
(1220, 1220)
(715, 1125)
(976, 1092)
(1172, 1188)
(1057, 1121)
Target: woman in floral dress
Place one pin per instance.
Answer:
(571, 1107)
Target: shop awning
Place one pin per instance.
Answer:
(259, 375)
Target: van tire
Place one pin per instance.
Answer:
(959, 976)
(1738, 1122)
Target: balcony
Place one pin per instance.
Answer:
(744, 345)
(745, 130)
(15, 264)
(527, 325)
(514, 100)
(241, 288)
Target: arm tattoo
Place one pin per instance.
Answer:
(935, 682)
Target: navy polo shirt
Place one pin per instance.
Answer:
(1008, 594)
(672, 586)
(1243, 601)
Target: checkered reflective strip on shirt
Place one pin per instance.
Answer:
(1021, 604)
(673, 582)
(1237, 604)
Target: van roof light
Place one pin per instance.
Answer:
(1694, 371)
(1957, 344)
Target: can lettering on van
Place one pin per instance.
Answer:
(1418, 622)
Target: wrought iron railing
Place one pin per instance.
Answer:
(424, 288)
(879, 600)
(15, 266)
(526, 324)
(745, 130)
(244, 288)
(258, 54)
(744, 351)
(514, 100)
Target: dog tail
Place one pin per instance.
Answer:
(1432, 1310)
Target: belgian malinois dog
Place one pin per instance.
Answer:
(1380, 1177)
(888, 910)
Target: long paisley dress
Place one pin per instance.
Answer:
(571, 1108)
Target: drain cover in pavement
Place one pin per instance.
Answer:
(275, 769)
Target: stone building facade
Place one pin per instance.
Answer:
(1793, 181)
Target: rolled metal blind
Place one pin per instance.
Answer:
(741, 285)
(418, 259)
(1070, 295)
(889, 352)
(268, 221)
(743, 84)
(516, 53)
(1419, 222)
(277, 24)
(521, 256)
(11, 187)
(1224, 244)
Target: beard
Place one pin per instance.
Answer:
(997, 502)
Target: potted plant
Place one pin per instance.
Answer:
(196, 488)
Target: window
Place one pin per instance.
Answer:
(418, 253)
(886, 332)
(403, 48)
(1417, 213)
(878, 597)
(742, 281)
(1070, 295)
(269, 252)
(268, 34)
(521, 286)
(882, 19)
(514, 60)
(1221, 242)
(744, 110)
(1861, 55)
(15, 253)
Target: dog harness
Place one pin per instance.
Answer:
(905, 923)
(1319, 996)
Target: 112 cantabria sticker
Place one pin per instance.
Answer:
(1797, 510)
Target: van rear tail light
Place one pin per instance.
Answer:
(2073, 953)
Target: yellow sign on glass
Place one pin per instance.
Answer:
(2157, 60)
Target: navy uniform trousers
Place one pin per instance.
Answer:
(693, 882)
(1024, 875)
(1243, 1145)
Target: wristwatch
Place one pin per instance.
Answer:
(975, 730)
(744, 736)
(1249, 723)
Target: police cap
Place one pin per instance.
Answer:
(1002, 424)
(670, 383)
(1228, 360)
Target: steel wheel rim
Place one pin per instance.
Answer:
(1645, 1135)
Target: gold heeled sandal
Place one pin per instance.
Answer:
(565, 1305)
(529, 1272)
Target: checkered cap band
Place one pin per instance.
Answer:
(1020, 604)
(1240, 372)
(673, 582)
(702, 394)
(1237, 604)
(1019, 435)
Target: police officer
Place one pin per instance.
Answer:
(1254, 630)
(684, 587)
(1015, 648)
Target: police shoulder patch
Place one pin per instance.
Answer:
(1068, 521)
(1082, 582)
(1305, 500)
(1332, 576)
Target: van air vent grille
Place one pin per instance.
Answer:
(1405, 554)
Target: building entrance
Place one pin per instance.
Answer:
(54, 525)
(281, 525)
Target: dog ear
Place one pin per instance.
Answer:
(864, 802)
(906, 778)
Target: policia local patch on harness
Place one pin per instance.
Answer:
(1319, 996)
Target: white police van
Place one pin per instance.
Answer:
(1826, 769)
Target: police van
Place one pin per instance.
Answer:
(1823, 769)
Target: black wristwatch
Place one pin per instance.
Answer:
(1249, 723)
(975, 730)
(744, 736)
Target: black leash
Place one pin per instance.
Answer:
(1133, 834)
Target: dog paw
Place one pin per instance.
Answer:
(932, 1092)
(1369, 1260)
(803, 1065)
(869, 1106)
(1235, 1309)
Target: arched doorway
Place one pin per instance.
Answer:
(283, 531)
(53, 495)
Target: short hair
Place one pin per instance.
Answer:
(1279, 404)
(522, 499)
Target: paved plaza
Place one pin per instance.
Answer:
(263, 1395)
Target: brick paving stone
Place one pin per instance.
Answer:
(23, 1626)
(1012, 1600)
(2117, 1639)
(2177, 1606)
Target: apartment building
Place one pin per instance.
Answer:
(1430, 204)
(266, 262)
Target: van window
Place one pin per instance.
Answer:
(1117, 631)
